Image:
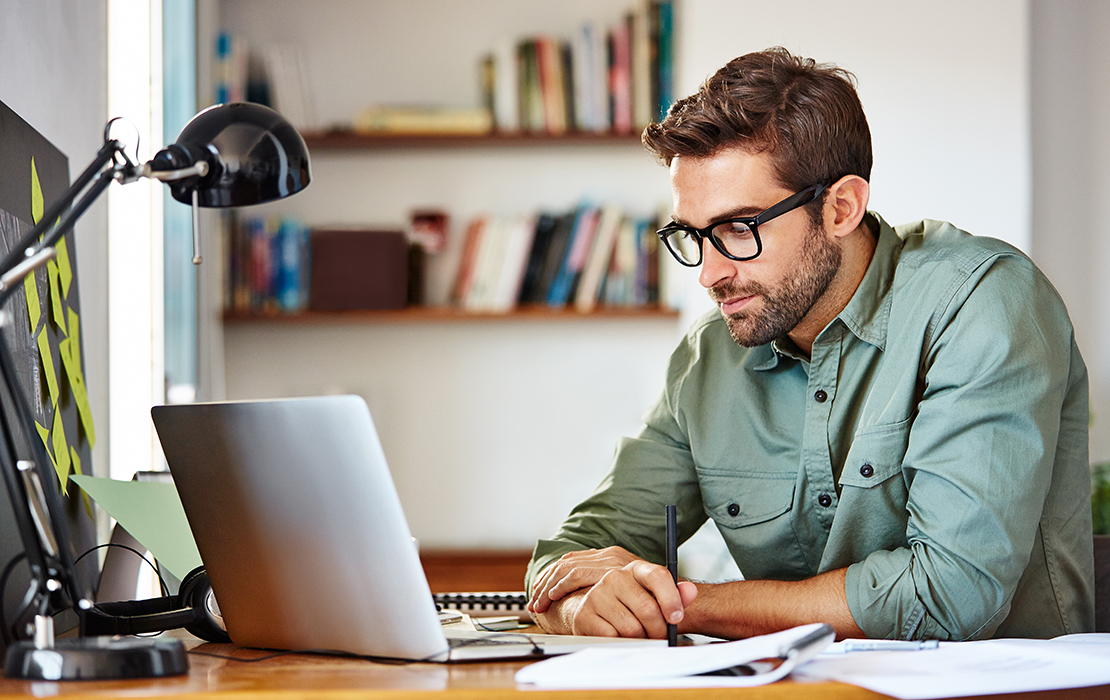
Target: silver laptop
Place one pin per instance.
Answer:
(300, 528)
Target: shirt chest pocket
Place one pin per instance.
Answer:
(741, 499)
(876, 455)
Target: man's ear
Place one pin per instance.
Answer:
(846, 205)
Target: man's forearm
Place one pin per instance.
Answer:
(748, 608)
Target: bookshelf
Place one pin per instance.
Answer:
(341, 140)
(476, 411)
(448, 314)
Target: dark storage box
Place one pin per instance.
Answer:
(358, 269)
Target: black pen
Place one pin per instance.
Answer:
(672, 565)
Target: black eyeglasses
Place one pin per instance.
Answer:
(736, 239)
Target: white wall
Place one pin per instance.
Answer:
(944, 84)
(1071, 149)
(54, 59)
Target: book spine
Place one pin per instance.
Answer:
(665, 56)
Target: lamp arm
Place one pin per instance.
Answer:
(33, 253)
(52, 572)
(108, 153)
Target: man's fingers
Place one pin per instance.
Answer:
(618, 606)
(659, 583)
(575, 570)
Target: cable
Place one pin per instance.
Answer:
(161, 581)
(8, 568)
(307, 652)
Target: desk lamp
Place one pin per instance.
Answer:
(226, 156)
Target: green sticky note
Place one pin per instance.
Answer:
(55, 287)
(65, 270)
(44, 434)
(152, 513)
(38, 206)
(74, 326)
(71, 360)
(48, 366)
(31, 289)
(62, 461)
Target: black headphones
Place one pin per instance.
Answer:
(194, 608)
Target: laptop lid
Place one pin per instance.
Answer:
(301, 531)
(299, 526)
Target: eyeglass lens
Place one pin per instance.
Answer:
(736, 238)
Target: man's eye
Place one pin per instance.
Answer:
(732, 230)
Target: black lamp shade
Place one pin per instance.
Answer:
(254, 156)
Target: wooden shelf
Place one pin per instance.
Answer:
(350, 140)
(434, 314)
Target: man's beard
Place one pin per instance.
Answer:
(784, 306)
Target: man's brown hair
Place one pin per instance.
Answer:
(806, 115)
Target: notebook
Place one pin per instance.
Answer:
(300, 528)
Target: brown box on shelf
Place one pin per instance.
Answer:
(358, 269)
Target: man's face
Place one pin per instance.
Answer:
(767, 297)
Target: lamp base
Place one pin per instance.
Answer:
(97, 658)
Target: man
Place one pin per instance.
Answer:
(888, 426)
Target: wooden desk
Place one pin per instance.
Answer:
(332, 678)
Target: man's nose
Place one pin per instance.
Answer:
(715, 268)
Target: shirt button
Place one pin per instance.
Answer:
(821, 396)
(825, 500)
(867, 470)
(733, 509)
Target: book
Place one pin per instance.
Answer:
(229, 80)
(463, 275)
(541, 241)
(549, 62)
(620, 79)
(663, 39)
(519, 233)
(643, 108)
(487, 266)
(506, 85)
(591, 79)
(620, 280)
(597, 261)
(529, 94)
(581, 239)
(267, 265)
(554, 256)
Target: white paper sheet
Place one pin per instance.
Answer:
(668, 667)
(957, 669)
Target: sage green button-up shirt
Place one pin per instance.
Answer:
(935, 444)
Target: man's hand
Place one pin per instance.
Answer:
(573, 571)
(609, 593)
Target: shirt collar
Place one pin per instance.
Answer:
(868, 310)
